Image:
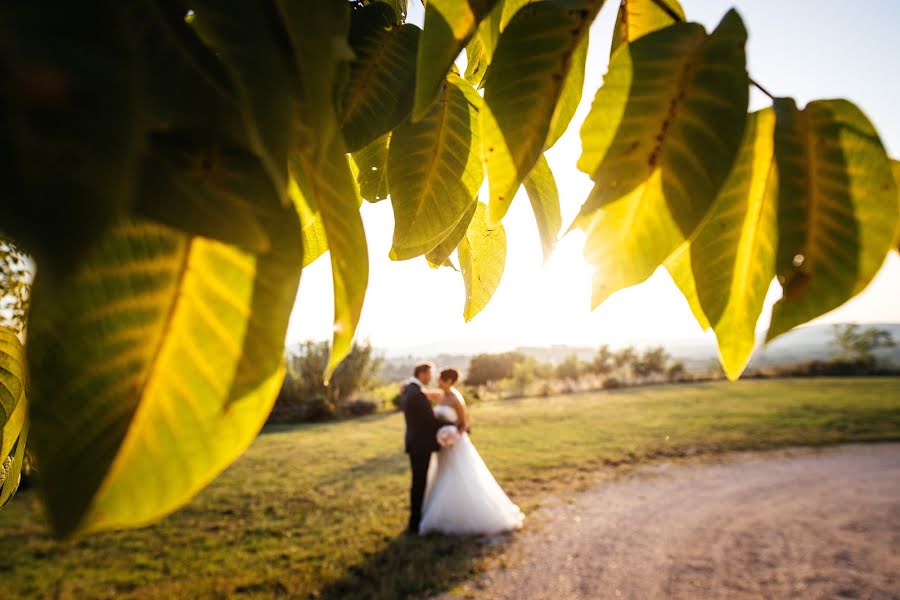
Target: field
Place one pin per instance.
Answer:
(317, 510)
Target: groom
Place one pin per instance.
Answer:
(421, 438)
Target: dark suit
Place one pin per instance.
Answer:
(421, 442)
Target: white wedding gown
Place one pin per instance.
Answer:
(462, 496)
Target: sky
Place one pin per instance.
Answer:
(807, 49)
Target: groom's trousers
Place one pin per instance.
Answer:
(419, 462)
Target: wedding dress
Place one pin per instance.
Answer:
(462, 496)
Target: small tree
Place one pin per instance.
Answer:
(484, 368)
(855, 343)
(604, 361)
(570, 368)
(653, 361)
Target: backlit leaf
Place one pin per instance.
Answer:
(203, 193)
(12, 384)
(245, 38)
(637, 18)
(837, 208)
(371, 166)
(476, 61)
(449, 25)
(440, 255)
(11, 475)
(159, 364)
(378, 95)
(679, 267)
(330, 191)
(733, 252)
(659, 142)
(522, 90)
(434, 170)
(482, 256)
(318, 33)
(544, 197)
(895, 168)
(70, 120)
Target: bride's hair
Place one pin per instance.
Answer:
(451, 375)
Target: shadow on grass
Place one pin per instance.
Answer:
(413, 567)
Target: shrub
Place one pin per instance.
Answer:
(611, 383)
(361, 408)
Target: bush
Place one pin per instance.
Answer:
(485, 368)
(361, 408)
(611, 383)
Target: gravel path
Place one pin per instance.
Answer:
(788, 524)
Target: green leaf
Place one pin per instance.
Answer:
(378, 95)
(205, 192)
(733, 252)
(71, 120)
(544, 197)
(522, 91)
(12, 374)
(12, 389)
(659, 142)
(318, 33)
(330, 189)
(440, 255)
(449, 25)
(837, 208)
(11, 475)
(476, 61)
(895, 168)
(154, 369)
(371, 166)
(679, 267)
(245, 38)
(637, 18)
(434, 170)
(570, 96)
(482, 256)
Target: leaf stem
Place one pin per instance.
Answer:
(664, 6)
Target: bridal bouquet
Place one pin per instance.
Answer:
(448, 435)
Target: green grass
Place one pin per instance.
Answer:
(317, 510)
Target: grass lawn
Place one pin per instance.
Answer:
(317, 510)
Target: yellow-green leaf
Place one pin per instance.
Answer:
(732, 255)
(329, 191)
(449, 25)
(378, 95)
(482, 256)
(11, 474)
(12, 373)
(371, 169)
(659, 142)
(522, 90)
(318, 33)
(895, 168)
(637, 18)
(679, 267)
(440, 255)
(205, 191)
(837, 208)
(476, 61)
(245, 39)
(434, 170)
(544, 197)
(155, 366)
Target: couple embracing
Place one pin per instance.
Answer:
(452, 492)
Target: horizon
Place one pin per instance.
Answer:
(545, 305)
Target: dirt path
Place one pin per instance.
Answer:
(789, 524)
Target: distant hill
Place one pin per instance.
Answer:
(813, 342)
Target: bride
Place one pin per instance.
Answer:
(462, 496)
